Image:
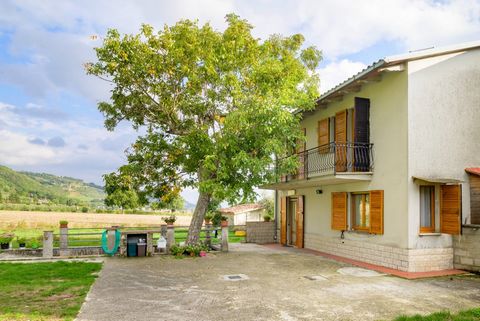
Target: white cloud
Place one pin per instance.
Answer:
(337, 72)
(70, 148)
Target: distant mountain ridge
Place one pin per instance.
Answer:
(22, 187)
(34, 188)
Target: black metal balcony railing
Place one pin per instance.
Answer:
(332, 158)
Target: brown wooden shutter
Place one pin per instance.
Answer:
(283, 220)
(450, 208)
(323, 132)
(341, 140)
(339, 211)
(299, 220)
(376, 212)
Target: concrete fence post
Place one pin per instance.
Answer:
(111, 233)
(163, 230)
(224, 236)
(64, 241)
(47, 250)
(170, 237)
(208, 237)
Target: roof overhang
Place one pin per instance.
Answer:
(436, 180)
(388, 64)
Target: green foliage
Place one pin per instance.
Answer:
(269, 206)
(467, 315)
(217, 218)
(174, 203)
(21, 240)
(63, 222)
(6, 238)
(38, 189)
(190, 250)
(120, 191)
(267, 217)
(170, 219)
(44, 291)
(177, 250)
(216, 106)
(84, 209)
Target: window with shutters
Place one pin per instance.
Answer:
(427, 209)
(360, 210)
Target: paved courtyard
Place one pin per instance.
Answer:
(265, 284)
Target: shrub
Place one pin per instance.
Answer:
(267, 218)
(170, 219)
(63, 222)
(84, 209)
(6, 238)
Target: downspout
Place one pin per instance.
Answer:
(275, 208)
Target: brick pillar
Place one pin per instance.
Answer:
(170, 237)
(224, 236)
(64, 241)
(208, 238)
(47, 244)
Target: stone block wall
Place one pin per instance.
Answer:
(466, 249)
(260, 232)
(409, 260)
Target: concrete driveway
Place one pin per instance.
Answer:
(265, 284)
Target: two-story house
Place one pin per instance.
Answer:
(382, 177)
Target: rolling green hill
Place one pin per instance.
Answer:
(39, 188)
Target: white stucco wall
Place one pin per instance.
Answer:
(443, 130)
(252, 216)
(388, 133)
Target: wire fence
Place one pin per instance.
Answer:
(85, 237)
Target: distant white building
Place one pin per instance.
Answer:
(240, 214)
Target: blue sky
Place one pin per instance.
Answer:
(48, 116)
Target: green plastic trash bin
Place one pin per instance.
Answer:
(132, 248)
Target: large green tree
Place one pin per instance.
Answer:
(216, 106)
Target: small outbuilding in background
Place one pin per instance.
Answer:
(241, 214)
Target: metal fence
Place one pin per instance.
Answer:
(333, 158)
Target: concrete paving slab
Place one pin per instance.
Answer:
(165, 288)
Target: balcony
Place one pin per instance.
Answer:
(334, 163)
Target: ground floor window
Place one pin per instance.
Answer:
(427, 209)
(360, 209)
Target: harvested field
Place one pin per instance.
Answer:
(14, 219)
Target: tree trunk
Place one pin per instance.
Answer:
(197, 218)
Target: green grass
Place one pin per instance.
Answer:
(44, 291)
(466, 315)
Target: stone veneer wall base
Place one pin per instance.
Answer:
(466, 249)
(408, 260)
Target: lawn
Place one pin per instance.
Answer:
(44, 291)
(467, 315)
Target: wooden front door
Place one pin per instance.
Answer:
(292, 221)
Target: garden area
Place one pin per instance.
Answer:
(44, 291)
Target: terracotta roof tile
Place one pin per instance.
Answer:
(473, 170)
